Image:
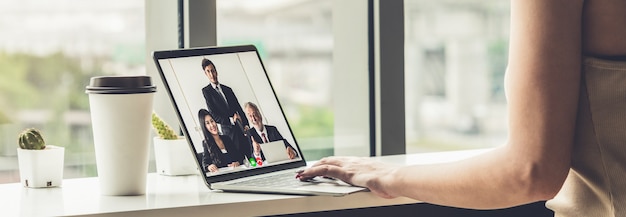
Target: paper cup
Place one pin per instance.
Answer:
(121, 107)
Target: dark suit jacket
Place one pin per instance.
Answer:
(272, 134)
(219, 109)
(213, 155)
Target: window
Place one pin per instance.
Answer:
(48, 52)
(295, 41)
(455, 59)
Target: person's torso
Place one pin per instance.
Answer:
(596, 184)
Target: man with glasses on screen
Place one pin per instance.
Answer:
(260, 133)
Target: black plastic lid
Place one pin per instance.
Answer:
(120, 85)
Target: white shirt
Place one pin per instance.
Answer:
(261, 132)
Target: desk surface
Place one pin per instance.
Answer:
(188, 196)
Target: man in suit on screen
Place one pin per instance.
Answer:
(221, 101)
(260, 133)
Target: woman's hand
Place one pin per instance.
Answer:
(212, 168)
(291, 153)
(357, 171)
(255, 146)
(234, 164)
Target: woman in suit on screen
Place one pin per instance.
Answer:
(219, 150)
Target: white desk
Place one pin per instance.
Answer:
(188, 196)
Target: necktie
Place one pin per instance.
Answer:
(264, 138)
(219, 90)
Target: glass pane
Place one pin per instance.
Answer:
(456, 54)
(295, 41)
(48, 52)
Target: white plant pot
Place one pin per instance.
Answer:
(41, 168)
(173, 157)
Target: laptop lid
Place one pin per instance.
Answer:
(212, 89)
(274, 152)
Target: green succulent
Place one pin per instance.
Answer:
(163, 130)
(31, 139)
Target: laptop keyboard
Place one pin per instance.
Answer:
(280, 180)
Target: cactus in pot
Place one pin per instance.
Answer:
(31, 139)
(163, 130)
(171, 152)
(40, 165)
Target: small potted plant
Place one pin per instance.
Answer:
(171, 152)
(40, 165)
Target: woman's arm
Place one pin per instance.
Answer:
(542, 91)
(210, 156)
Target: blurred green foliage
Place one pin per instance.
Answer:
(48, 86)
(314, 129)
(53, 81)
(313, 121)
(50, 90)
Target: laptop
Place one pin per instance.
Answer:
(274, 152)
(214, 91)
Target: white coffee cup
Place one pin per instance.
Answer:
(121, 107)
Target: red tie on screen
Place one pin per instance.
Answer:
(264, 138)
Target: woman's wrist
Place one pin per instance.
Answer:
(385, 182)
(393, 181)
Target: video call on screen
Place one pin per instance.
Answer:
(230, 112)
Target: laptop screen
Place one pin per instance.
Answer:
(227, 108)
